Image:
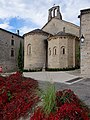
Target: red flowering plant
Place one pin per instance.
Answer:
(64, 106)
(66, 96)
(17, 96)
(70, 111)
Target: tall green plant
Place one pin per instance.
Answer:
(20, 57)
(48, 98)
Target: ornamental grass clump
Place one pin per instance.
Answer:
(47, 104)
(49, 99)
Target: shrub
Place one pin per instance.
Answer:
(20, 57)
(17, 96)
(62, 69)
(66, 96)
(32, 70)
(70, 111)
(67, 107)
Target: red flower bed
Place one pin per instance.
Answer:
(17, 96)
(68, 107)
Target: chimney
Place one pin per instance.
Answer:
(17, 32)
(64, 29)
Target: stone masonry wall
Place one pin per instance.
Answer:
(37, 58)
(71, 51)
(85, 47)
(63, 58)
(56, 25)
(59, 60)
(7, 62)
(53, 60)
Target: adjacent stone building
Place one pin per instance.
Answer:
(85, 45)
(9, 46)
(53, 46)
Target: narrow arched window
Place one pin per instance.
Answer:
(63, 49)
(12, 42)
(49, 51)
(28, 49)
(54, 51)
(12, 52)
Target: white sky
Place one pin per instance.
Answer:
(35, 12)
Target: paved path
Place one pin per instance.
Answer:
(81, 87)
(61, 77)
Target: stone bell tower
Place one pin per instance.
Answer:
(54, 12)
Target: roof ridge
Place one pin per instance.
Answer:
(62, 33)
(11, 32)
(37, 31)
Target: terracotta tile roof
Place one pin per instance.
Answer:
(37, 31)
(61, 33)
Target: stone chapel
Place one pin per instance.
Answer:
(55, 45)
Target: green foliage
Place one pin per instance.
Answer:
(48, 98)
(78, 53)
(32, 70)
(51, 69)
(62, 69)
(20, 57)
(9, 95)
(89, 115)
(65, 97)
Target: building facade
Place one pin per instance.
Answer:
(9, 47)
(85, 45)
(53, 46)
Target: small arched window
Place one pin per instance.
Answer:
(12, 42)
(49, 51)
(54, 50)
(63, 49)
(28, 49)
(12, 52)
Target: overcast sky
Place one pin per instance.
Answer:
(27, 15)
